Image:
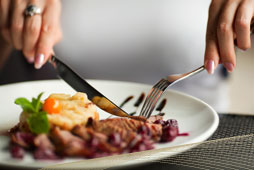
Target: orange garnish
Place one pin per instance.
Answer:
(51, 106)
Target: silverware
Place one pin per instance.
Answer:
(80, 85)
(157, 90)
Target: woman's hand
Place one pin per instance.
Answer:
(5, 50)
(229, 21)
(34, 35)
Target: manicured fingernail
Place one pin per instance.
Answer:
(39, 59)
(30, 60)
(229, 66)
(210, 66)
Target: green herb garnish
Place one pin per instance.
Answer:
(37, 120)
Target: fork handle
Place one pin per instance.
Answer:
(178, 78)
(198, 70)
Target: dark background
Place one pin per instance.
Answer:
(16, 69)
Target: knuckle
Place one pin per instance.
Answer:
(47, 28)
(33, 28)
(18, 2)
(17, 26)
(242, 24)
(224, 27)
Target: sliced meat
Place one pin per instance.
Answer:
(111, 127)
(44, 148)
(154, 118)
(81, 131)
(88, 133)
(69, 145)
(23, 139)
(96, 140)
(127, 128)
(45, 154)
(43, 141)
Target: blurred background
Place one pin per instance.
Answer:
(241, 83)
(143, 41)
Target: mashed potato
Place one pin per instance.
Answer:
(74, 110)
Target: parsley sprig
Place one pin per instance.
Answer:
(37, 120)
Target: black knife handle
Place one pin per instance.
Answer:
(73, 79)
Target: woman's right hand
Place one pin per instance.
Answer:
(229, 21)
(34, 35)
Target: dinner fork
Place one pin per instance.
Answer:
(158, 89)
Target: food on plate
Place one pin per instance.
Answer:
(64, 111)
(64, 125)
(109, 107)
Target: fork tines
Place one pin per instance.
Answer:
(152, 97)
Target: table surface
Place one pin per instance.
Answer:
(225, 149)
(233, 153)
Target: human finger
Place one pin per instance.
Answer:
(49, 33)
(17, 22)
(212, 57)
(225, 35)
(4, 19)
(32, 31)
(242, 24)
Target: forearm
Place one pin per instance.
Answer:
(5, 50)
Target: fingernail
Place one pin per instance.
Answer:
(30, 60)
(39, 59)
(210, 66)
(229, 66)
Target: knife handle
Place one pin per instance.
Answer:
(72, 78)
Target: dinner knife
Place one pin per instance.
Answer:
(80, 85)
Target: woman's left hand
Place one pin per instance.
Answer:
(229, 22)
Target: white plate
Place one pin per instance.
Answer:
(193, 115)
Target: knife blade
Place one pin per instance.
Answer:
(80, 85)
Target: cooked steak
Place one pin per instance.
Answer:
(43, 141)
(23, 139)
(68, 144)
(87, 143)
(126, 127)
(44, 148)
